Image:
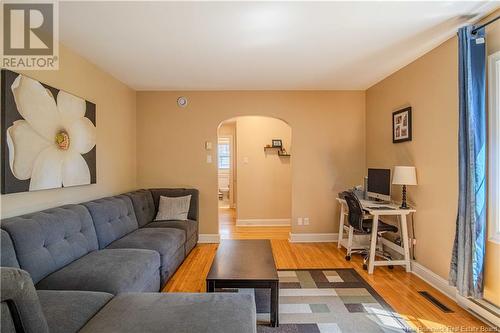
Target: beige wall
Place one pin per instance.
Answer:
(264, 178)
(328, 145)
(116, 135)
(430, 86)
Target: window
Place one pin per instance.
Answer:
(224, 155)
(494, 147)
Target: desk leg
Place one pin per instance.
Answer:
(406, 245)
(275, 304)
(373, 245)
(341, 224)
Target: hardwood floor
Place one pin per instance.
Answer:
(398, 288)
(229, 230)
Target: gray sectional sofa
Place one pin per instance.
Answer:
(98, 267)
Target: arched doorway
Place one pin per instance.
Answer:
(254, 177)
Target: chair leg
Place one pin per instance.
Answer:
(380, 253)
(349, 242)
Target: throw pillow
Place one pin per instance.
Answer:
(173, 208)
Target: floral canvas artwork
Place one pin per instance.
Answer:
(48, 136)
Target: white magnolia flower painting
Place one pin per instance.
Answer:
(49, 136)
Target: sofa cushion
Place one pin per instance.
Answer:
(144, 206)
(113, 217)
(178, 192)
(165, 241)
(20, 308)
(7, 254)
(68, 311)
(112, 271)
(172, 264)
(190, 227)
(51, 239)
(176, 312)
(191, 243)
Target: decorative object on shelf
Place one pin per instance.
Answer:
(404, 175)
(277, 143)
(48, 136)
(401, 125)
(283, 153)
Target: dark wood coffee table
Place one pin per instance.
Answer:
(246, 264)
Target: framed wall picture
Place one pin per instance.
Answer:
(277, 143)
(48, 136)
(401, 125)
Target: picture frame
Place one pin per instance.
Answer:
(58, 130)
(277, 143)
(402, 125)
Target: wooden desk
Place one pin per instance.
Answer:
(402, 214)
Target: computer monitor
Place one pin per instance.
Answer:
(379, 184)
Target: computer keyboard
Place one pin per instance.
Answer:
(381, 208)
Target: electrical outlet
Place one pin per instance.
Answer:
(306, 221)
(299, 221)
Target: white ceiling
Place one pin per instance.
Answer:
(258, 45)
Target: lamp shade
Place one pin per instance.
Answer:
(404, 175)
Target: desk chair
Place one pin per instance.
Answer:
(362, 224)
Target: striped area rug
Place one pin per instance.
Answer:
(327, 301)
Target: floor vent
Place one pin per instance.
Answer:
(434, 301)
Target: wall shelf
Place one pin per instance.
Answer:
(281, 151)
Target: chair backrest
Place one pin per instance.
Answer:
(20, 307)
(355, 216)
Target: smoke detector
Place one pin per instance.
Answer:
(182, 102)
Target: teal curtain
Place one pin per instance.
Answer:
(467, 265)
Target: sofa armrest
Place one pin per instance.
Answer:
(179, 192)
(21, 307)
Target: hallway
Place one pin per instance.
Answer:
(229, 230)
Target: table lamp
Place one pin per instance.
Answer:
(404, 175)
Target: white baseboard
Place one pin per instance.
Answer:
(442, 285)
(434, 280)
(479, 311)
(263, 222)
(209, 238)
(313, 238)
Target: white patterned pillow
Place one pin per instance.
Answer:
(173, 208)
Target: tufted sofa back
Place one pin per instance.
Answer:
(113, 217)
(8, 256)
(48, 240)
(144, 206)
